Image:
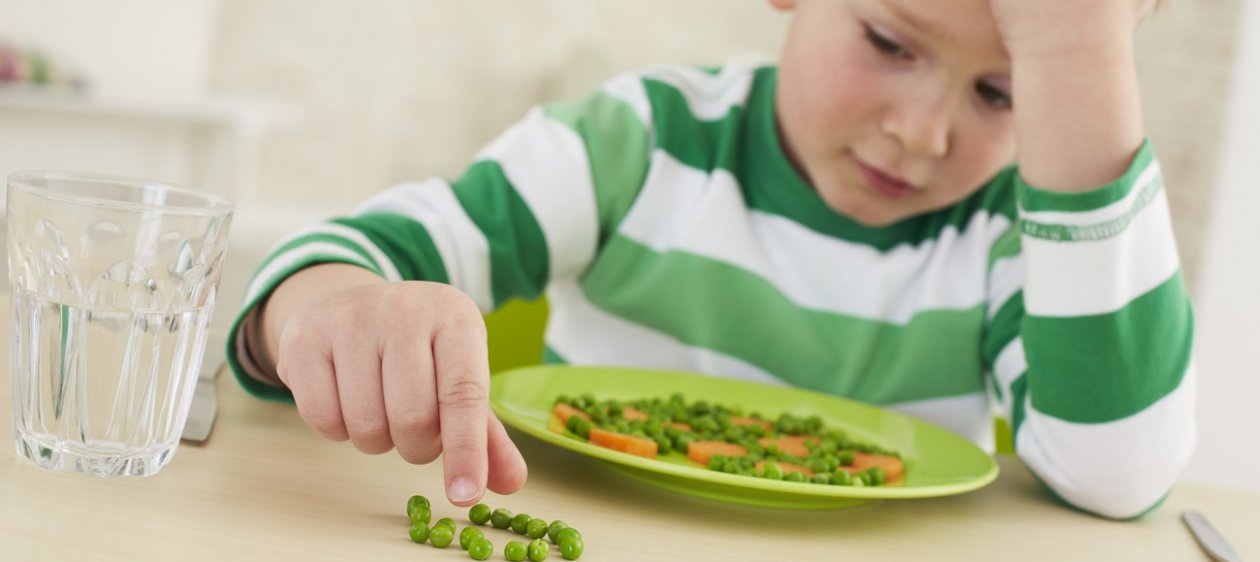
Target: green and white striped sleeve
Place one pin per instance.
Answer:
(534, 207)
(1089, 342)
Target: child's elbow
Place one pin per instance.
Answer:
(1118, 470)
(1121, 491)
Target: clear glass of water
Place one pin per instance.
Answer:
(113, 281)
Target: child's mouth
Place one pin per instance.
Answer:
(887, 185)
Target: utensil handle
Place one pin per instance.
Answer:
(1211, 541)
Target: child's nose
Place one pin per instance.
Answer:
(921, 123)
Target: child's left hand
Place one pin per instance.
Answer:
(1050, 27)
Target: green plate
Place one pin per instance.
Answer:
(938, 462)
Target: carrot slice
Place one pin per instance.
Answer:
(633, 414)
(624, 443)
(745, 421)
(681, 426)
(792, 444)
(700, 451)
(787, 467)
(893, 467)
(560, 414)
(563, 411)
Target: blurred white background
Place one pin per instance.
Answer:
(299, 109)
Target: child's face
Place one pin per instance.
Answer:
(894, 108)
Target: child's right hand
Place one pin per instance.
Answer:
(393, 365)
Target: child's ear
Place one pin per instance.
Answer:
(784, 5)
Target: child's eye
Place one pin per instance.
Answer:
(993, 96)
(885, 45)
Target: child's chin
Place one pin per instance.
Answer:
(867, 213)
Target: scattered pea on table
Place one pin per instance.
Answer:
(538, 550)
(501, 518)
(419, 532)
(572, 548)
(468, 535)
(514, 551)
(441, 535)
(480, 548)
(479, 514)
(418, 509)
(536, 529)
(473, 539)
(520, 523)
(554, 528)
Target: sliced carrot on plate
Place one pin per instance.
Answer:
(792, 444)
(560, 414)
(700, 451)
(893, 467)
(625, 443)
(745, 421)
(563, 411)
(681, 426)
(633, 414)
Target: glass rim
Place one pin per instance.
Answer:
(215, 204)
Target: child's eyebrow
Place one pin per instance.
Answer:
(908, 15)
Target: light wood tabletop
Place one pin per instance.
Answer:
(266, 487)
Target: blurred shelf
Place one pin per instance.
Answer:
(209, 111)
(212, 142)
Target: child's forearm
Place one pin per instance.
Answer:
(299, 289)
(1077, 108)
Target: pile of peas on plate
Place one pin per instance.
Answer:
(775, 449)
(473, 539)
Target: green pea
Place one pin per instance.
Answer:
(795, 477)
(417, 501)
(514, 551)
(446, 522)
(683, 442)
(441, 536)
(554, 528)
(818, 465)
(479, 514)
(536, 528)
(572, 549)
(420, 515)
(501, 518)
(846, 458)
(716, 462)
(663, 443)
(538, 550)
(480, 549)
(841, 478)
(467, 535)
(821, 478)
(773, 470)
(566, 534)
(419, 532)
(520, 523)
(418, 509)
(876, 475)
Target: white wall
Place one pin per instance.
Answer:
(1229, 303)
(133, 48)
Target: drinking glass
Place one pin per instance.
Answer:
(113, 282)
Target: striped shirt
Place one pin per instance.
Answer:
(667, 228)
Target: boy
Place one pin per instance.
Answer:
(846, 222)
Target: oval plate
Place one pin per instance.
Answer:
(938, 462)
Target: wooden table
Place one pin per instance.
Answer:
(264, 487)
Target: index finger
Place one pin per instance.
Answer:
(463, 393)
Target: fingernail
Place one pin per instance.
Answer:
(461, 490)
